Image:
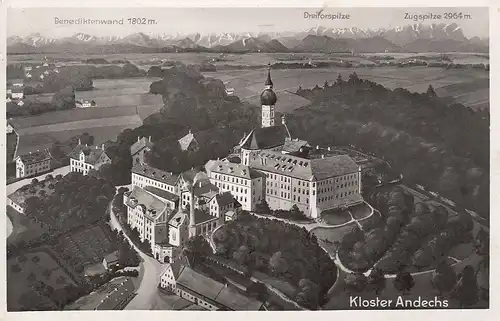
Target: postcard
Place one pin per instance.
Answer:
(247, 158)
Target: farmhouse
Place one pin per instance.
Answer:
(84, 158)
(169, 277)
(206, 292)
(84, 103)
(139, 149)
(33, 163)
(10, 129)
(110, 260)
(17, 93)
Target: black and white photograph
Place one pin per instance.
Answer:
(247, 158)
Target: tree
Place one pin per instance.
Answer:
(34, 181)
(65, 98)
(242, 255)
(196, 249)
(482, 242)
(403, 282)
(277, 264)
(466, 289)
(47, 273)
(355, 282)
(263, 208)
(31, 277)
(376, 281)
(443, 278)
(308, 294)
(35, 259)
(15, 268)
(339, 80)
(431, 92)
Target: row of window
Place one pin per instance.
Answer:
(149, 181)
(232, 179)
(337, 196)
(329, 189)
(339, 179)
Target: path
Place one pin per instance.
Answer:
(311, 226)
(147, 291)
(11, 188)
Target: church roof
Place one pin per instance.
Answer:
(232, 169)
(265, 138)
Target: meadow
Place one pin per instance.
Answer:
(472, 90)
(121, 104)
(29, 268)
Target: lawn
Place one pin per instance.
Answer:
(11, 146)
(332, 234)
(26, 269)
(24, 229)
(360, 211)
(336, 217)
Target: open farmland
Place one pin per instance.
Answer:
(248, 84)
(27, 269)
(39, 132)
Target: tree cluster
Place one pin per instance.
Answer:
(279, 249)
(421, 135)
(77, 200)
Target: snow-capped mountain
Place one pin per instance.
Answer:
(409, 36)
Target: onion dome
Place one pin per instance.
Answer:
(268, 97)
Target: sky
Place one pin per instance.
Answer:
(24, 21)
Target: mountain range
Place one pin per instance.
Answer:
(409, 38)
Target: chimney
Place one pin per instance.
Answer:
(322, 156)
(138, 139)
(317, 146)
(329, 148)
(79, 141)
(86, 145)
(150, 139)
(102, 146)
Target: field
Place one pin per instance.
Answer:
(27, 269)
(84, 248)
(248, 84)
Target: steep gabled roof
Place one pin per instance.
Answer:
(140, 144)
(156, 174)
(224, 199)
(92, 153)
(187, 140)
(36, 157)
(265, 138)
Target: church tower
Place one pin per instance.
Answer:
(268, 101)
